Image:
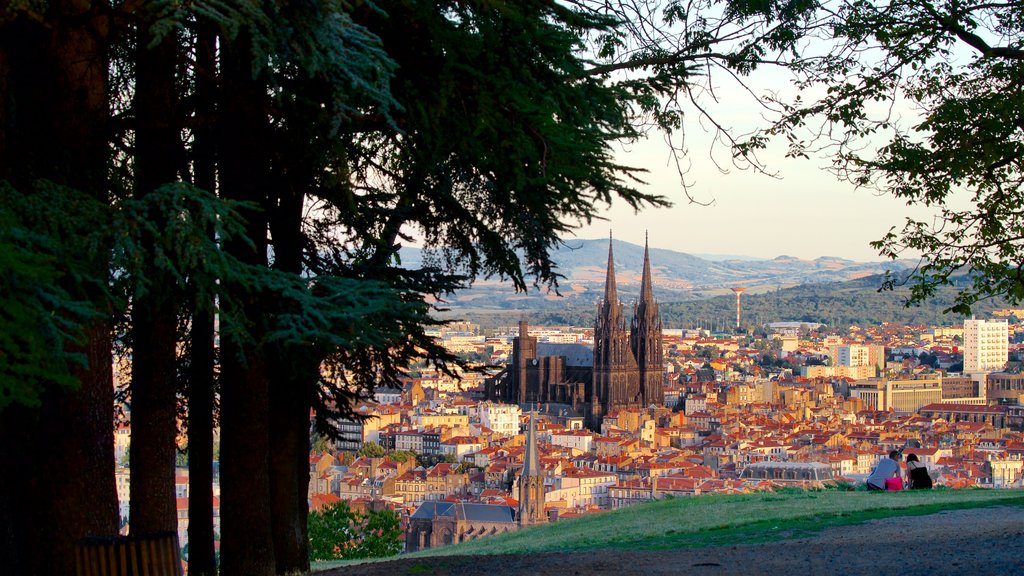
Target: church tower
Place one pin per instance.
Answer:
(616, 374)
(531, 482)
(645, 339)
(524, 348)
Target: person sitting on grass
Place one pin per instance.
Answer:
(917, 474)
(886, 468)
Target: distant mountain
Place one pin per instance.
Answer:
(721, 257)
(677, 276)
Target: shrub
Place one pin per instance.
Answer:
(337, 532)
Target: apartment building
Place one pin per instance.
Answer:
(986, 345)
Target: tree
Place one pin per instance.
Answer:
(157, 158)
(371, 450)
(337, 532)
(959, 66)
(332, 132)
(54, 172)
(402, 456)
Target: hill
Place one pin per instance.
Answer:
(677, 275)
(835, 304)
(717, 519)
(915, 532)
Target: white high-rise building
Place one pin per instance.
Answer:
(852, 355)
(986, 345)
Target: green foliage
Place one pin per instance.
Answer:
(858, 302)
(337, 532)
(372, 450)
(177, 229)
(45, 239)
(504, 142)
(181, 458)
(962, 154)
(320, 444)
(402, 456)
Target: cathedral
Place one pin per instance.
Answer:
(625, 367)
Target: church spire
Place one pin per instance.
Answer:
(646, 291)
(531, 460)
(531, 482)
(610, 293)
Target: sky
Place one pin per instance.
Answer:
(805, 211)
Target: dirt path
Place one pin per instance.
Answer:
(982, 541)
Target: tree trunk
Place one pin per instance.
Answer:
(60, 487)
(158, 148)
(78, 428)
(246, 543)
(201, 554)
(289, 468)
(291, 389)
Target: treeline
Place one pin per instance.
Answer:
(857, 302)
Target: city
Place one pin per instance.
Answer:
(797, 405)
(285, 284)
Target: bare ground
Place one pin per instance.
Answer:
(978, 541)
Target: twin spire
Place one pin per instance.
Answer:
(646, 290)
(610, 293)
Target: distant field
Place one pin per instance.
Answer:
(726, 519)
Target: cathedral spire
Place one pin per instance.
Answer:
(646, 291)
(610, 293)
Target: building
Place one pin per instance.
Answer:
(858, 355)
(1006, 471)
(581, 488)
(994, 416)
(502, 419)
(436, 524)
(531, 483)
(986, 345)
(1005, 388)
(788, 472)
(852, 355)
(854, 372)
(625, 367)
(645, 337)
(906, 396)
(574, 439)
(959, 387)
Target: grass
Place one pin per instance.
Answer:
(726, 519)
(716, 519)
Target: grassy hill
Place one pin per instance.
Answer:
(725, 519)
(713, 520)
